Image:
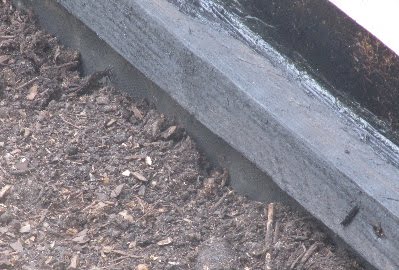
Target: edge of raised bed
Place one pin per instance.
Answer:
(314, 152)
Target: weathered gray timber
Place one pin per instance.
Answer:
(312, 151)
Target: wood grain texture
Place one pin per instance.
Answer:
(310, 150)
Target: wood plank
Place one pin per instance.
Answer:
(312, 151)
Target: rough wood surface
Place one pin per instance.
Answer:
(311, 151)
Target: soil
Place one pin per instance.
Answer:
(92, 179)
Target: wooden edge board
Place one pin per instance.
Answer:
(313, 153)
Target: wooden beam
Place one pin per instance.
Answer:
(313, 151)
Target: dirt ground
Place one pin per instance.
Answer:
(91, 179)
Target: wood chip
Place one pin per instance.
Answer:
(26, 132)
(110, 123)
(81, 237)
(165, 242)
(169, 132)
(117, 191)
(74, 262)
(17, 246)
(25, 228)
(312, 249)
(49, 259)
(32, 92)
(5, 191)
(139, 176)
(126, 216)
(137, 113)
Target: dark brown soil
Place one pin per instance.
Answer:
(91, 179)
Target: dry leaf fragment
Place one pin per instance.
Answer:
(5, 191)
(106, 180)
(165, 242)
(82, 239)
(97, 207)
(117, 191)
(72, 231)
(32, 92)
(139, 176)
(74, 262)
(17, 246)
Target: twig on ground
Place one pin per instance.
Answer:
(308, 254)
(69, 64)
(69, 123)
(269, 235)
(276, 232)
(220, 201)
(27, 83)
(294, 263)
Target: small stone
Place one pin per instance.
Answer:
(148, 161)
(32, 92)
(126, 173)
